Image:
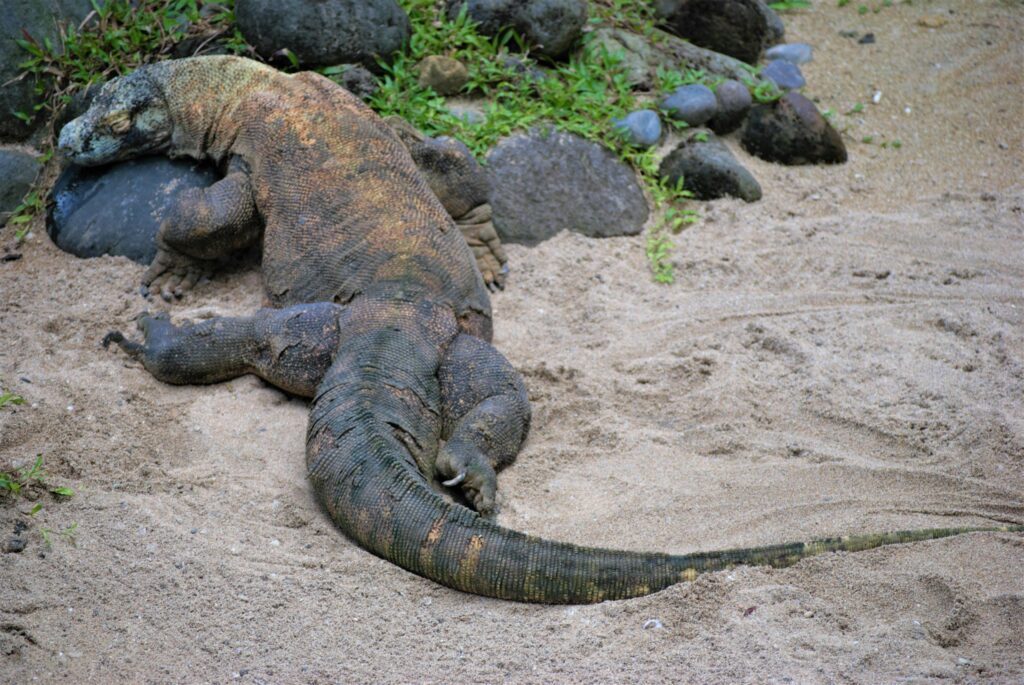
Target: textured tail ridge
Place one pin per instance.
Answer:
(781, 556)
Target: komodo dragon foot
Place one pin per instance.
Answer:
(172, 274)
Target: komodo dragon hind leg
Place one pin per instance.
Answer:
(291, 348)
(486, 416)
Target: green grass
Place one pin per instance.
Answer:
(35, 475)
(15, 485)
(8, 397)
(790, 5)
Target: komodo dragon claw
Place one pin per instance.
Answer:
(454, 481)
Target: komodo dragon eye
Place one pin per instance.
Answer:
(118, 122)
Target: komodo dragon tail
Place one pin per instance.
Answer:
(362, 450)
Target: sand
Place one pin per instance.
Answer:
(845, 356)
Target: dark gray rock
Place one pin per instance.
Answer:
(785, 75)
(794, 53)
(640, 129)
(546, 181)
(325, 32)
(445, 75)
(18, 170)
(792, 131)
(523, 68)
(734, 101)
(642, 56)
(117, 209)
(549, 26)
(672, 51)
(738, 28)
(709, 170)
(357, 80)
(694, 104)
(39, 18)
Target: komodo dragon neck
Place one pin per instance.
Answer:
(203, 112)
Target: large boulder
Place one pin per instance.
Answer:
(549, 26)
(792, 131)
(546, 181)
(117, 209)
(38, 18)
(738, 28)
(325, 32)
(709, 170)
(18, 170)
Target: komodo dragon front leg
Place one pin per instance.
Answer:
(203, 224)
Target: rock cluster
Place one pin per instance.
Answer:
(541, 181)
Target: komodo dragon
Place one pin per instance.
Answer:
(380, 317)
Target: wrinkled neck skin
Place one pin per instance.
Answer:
(202, 110)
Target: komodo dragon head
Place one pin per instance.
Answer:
(128, 118)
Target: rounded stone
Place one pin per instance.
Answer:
(551, 27)
(445, 75)
(324, 32)
(547, 181)
(118, 209)
(694, 104)
(357, 80)
(792, 131)
(18, 171)
(794, 53)
(785, 75)
(738, 28)
(640, 129)
(709, 170)
(734, 101)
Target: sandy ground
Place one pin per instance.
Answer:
(845, 356)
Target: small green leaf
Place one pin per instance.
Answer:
(63, 491)
(36, 509)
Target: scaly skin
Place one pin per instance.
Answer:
(384, 324)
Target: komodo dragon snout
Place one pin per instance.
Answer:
(129, 117)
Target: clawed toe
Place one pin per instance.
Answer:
(473, 475)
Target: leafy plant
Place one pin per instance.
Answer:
(16, 483)
(790, 5)
(69, 534)
(8, 397)
(23, 214)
